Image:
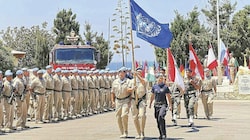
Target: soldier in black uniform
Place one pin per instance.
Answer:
(161, 95)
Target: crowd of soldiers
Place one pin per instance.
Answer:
(49, 95)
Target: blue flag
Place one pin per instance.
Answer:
(149, 29)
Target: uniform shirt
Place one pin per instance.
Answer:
(160, 91)
(107, 82)
(38, 85)
(208, 83)
(80, 82)
(91, 83)
(57, 82)
(85, 83)
(96, 81)
(49, 81)
(74, 82)
(66, 86)
(102, 82)
(189, 86)
(7, 88)
(141, 89)
(120, 87)
(18, 84)
(26, 80)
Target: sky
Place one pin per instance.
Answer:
(17, 13)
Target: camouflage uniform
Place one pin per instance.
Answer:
(176, 98)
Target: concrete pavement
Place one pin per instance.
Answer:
(231, 121)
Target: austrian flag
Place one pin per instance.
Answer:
(211, 60)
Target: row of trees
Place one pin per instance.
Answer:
(234, 31)
(37, 41)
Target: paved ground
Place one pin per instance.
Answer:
(231, 122)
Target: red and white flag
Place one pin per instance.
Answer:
(194, 63)
(174, 74)
(211, 60)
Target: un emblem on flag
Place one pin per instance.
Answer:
(147, 27)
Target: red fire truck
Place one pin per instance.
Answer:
(73, 56)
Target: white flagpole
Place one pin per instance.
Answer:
(132, 49)
(218, 41)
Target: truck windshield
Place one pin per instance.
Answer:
(74, 55)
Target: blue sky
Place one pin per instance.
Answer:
(17, 13)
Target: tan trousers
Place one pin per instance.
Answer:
(9, 114)
(96, 99)
(139, 116)
(121, 113)
(21, 112)
(79, 108)
(57, 104)
(66, 103)
(49, 100)
(40, 107)
(85, 101)
(27, 98)
(102, 97)
(74, 102)
(91, 100)
(207, 101)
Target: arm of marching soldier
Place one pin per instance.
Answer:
(112, 94)
(196, 82)
(214, 87)
(152, 97)
(169, 100)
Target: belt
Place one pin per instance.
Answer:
(57, 90)
(66, 90)
(91, 88)
(36, 93)
(49, 89)
(207, 90)
(74, 89)
(6, 96)
(122, 98)
(190, 92)
(85, 89)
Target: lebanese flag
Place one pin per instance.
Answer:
(145, 69)
(136, 64)
(211, 60)
(174, 74)
(194, 63)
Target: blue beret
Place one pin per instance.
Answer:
(122, 69)
(40, 71)
(58, 70)
(107, 69)
(8, 73)
(84, 71)
(19, 72)
(48, 67)
(92, 69)
(101, 72)
(74, 70)
(35, 69)
(24, 69)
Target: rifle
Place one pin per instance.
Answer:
(12, 96)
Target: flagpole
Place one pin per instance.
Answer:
(132, 50)
(166, 71)
(218, 41)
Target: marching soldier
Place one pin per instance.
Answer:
(38, 89)
(139, 108)
(208, 91)
(49, 95)
(85, 93)
(120, 97)
(192, 85)
(8, 97)
(20, 100)
(66, 90)
(74, 93)
(80, 93)
(58, 95)
(176, 94)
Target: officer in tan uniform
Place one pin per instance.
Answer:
(66, 93)
(8, 93)
(139, 108)
(208, 91)
(49, 95)
(20, 100)
(85, 93)
(97, 92)
(91, 87)
(38, 89)
(108, 83)
(26, 80)
(120, 97)
(102, 90)
(32, 102)
(74, 93)
(58, 95)
(79, 107)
